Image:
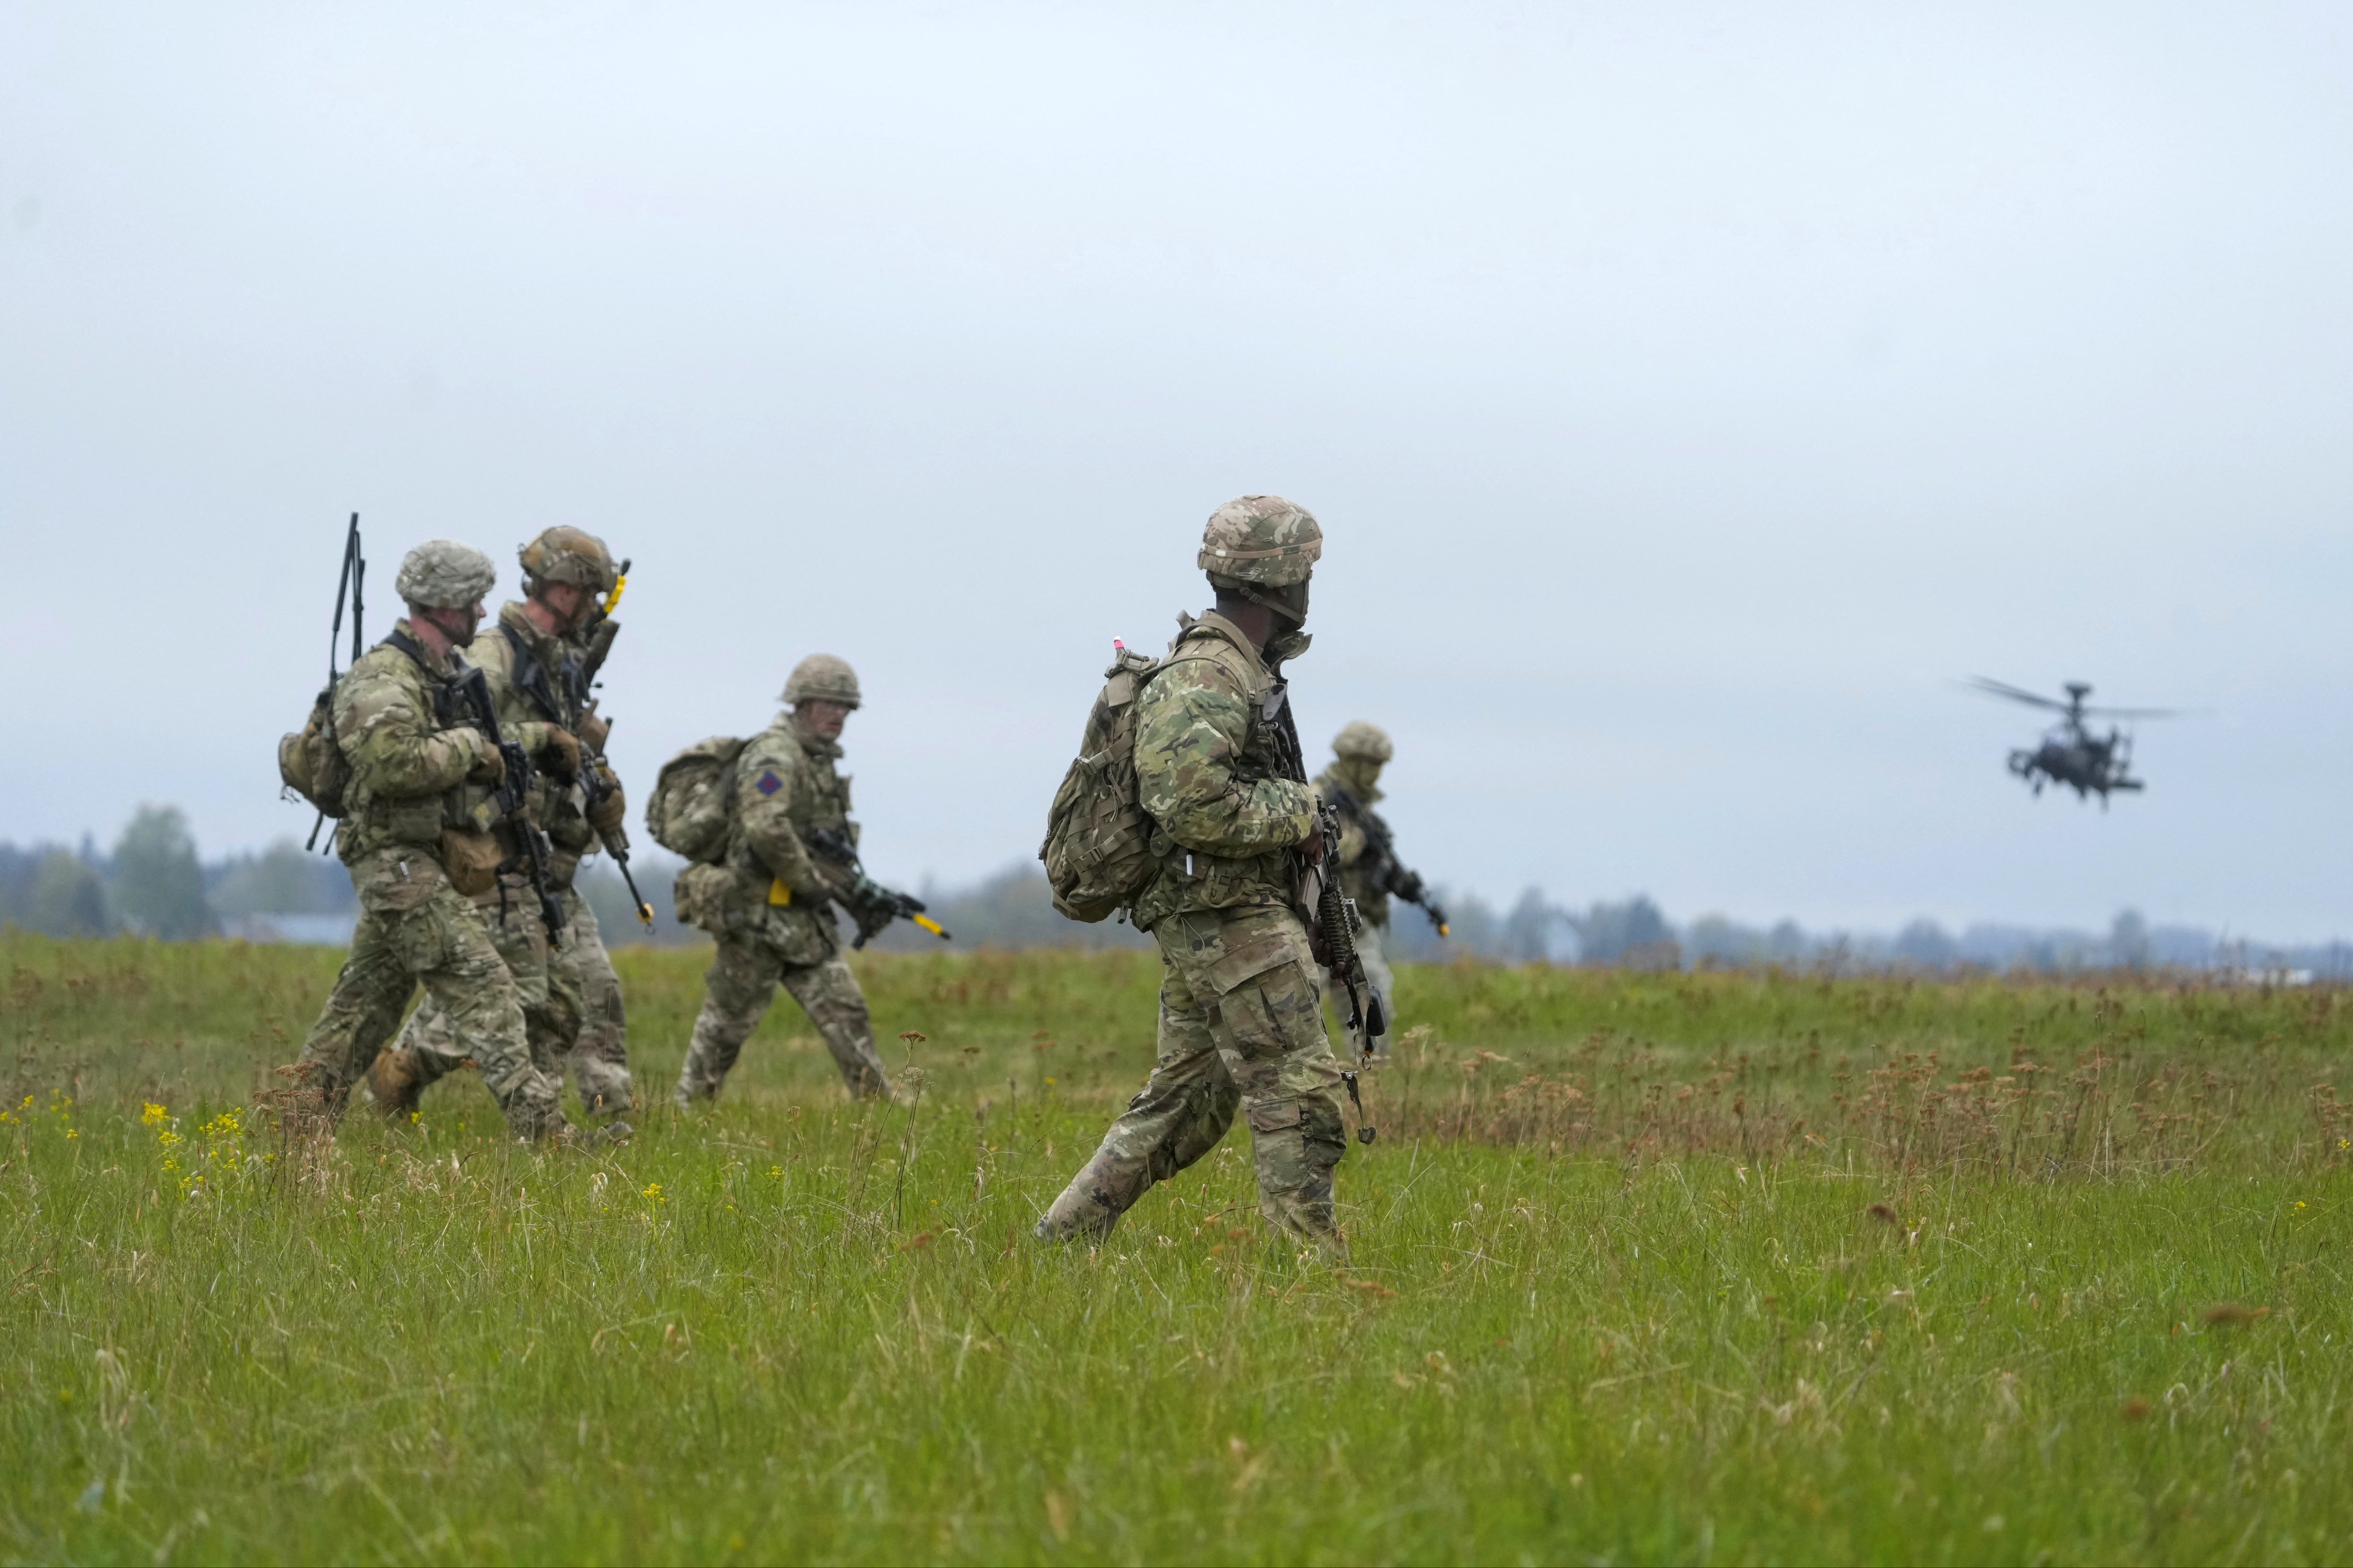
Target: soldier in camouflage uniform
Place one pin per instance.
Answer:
(539, 662)
(770, 902)
(416, 835)
(1219, 772)
(1370, 871)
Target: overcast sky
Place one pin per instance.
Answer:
(1689, 394)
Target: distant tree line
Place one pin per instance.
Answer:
(153, 883)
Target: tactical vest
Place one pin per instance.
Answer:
(373, 818)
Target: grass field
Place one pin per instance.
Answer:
(1645, 1268)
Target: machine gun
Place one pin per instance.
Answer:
(1385, 873)
(513, 794)
(872, 905)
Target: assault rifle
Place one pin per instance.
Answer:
(597, 782)
(1336, 927)
(513, 794)
(601, 628)
(353, 576)
(867, 897)
(1388, 875)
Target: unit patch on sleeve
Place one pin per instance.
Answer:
(768, 782)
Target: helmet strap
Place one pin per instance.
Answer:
(1296, 615)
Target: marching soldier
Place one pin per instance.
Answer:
(417, 836)
(1370, 868)
(540, 660)
(1220, 773)
(770, 901)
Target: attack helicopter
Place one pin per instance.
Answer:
(2071, 754)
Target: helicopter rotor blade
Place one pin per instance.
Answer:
(1995, 689)
(2139, 712)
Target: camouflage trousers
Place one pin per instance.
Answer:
(1241, 1028)
(572, 1009)
(1371, 939)
(736, 993)
(414, 926)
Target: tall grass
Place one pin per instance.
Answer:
(799, 1329)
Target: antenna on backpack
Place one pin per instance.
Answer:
(350, 581)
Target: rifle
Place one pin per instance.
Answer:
(351, 574)
(1330, 917)
(601, 628)
(834, 844)
(1336, 923)
(594, 772)
(513, 794)
(1388, 876)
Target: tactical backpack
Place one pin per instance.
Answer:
(1098, 848)
(694, 803)
(309, 762)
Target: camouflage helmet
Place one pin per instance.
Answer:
(1261, 539)
(1367, 742)
(442, 575)
(824, 678)
(567, 555)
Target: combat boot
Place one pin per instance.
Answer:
(1091, 1206)
(396, 1082)
(589, 1140)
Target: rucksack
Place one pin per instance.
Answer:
(1098, 848)
(694, 803)
(309, 762)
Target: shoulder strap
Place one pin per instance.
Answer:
(413, 648)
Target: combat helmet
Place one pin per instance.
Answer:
(1263, 540)
(562, 554)
(824, 678)
(443, 574)
(1263, 549)
(1363, 743)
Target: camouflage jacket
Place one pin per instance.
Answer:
(785, 788)
(399, 722)
(1368, 866)
(538, 684)
(1217, 769)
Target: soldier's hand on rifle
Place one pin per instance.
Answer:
(489, 767)
(611, 809)
(873, 920)
(560, 753)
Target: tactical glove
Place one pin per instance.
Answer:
(873, 920)
(560, 753)
(612, 808)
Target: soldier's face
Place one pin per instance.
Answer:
(567, 602)
(457, 625)
(822, 718)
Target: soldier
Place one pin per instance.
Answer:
(1219, 772)
(539, 664)
(770, 902)
(416, 835)
(1370, 869)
